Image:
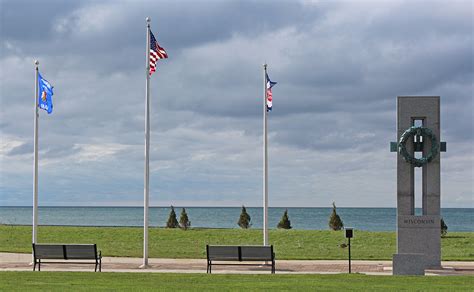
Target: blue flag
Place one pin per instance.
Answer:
(45, 94)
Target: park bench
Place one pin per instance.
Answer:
(66, 252)
(239, 254)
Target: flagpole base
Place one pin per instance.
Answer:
(144, 266)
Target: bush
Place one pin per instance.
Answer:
(184, 220)
(244, 219)
(335, 222)
(444, 228)
(284, 222)
(172, 221)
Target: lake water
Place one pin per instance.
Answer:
(371, 219)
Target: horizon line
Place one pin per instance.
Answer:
(293, 207)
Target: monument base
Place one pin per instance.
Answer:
(408, 264)
(420, 235)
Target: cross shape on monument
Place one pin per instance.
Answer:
(417, 145)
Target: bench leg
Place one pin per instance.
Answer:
(34, 266)
(100, 265)
(273, 267)
(39, 265)
(95, 269)
(210, 267)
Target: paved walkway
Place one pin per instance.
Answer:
(21, 262)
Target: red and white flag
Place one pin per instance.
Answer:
(270, 84)
(156, 53)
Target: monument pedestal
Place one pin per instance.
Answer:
(420, 235)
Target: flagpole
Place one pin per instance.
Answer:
(35, 167)
(146, 193)
(265, 159)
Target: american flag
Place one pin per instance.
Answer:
(269, 86)
(156, 53)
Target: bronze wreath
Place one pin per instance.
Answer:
(412, 131)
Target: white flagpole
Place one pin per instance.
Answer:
(265, 159)
(35, 167)
(146, 193)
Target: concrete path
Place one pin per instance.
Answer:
(21, 262)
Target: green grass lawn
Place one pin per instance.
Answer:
(67, 281)
(176, 243)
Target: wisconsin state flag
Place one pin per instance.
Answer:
(45, 100)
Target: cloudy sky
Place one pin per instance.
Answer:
(339, 68)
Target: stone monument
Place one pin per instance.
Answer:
(418, 236)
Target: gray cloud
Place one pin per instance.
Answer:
(339, 67)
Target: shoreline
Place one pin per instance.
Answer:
(369, 219)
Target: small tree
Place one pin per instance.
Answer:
(284, 222)
(184, 220)
(444, 228)
(335, 222)
(172, 221)
(244, 219)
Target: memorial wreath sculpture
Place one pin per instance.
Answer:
(418, 131)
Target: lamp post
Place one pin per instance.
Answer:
(349, 233)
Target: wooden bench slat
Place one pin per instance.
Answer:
(49, 251)
(78, 252)
(225, 253)
(255, 253)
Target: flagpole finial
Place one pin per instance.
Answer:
(148, 19)
(37, 62)
(265, 66)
